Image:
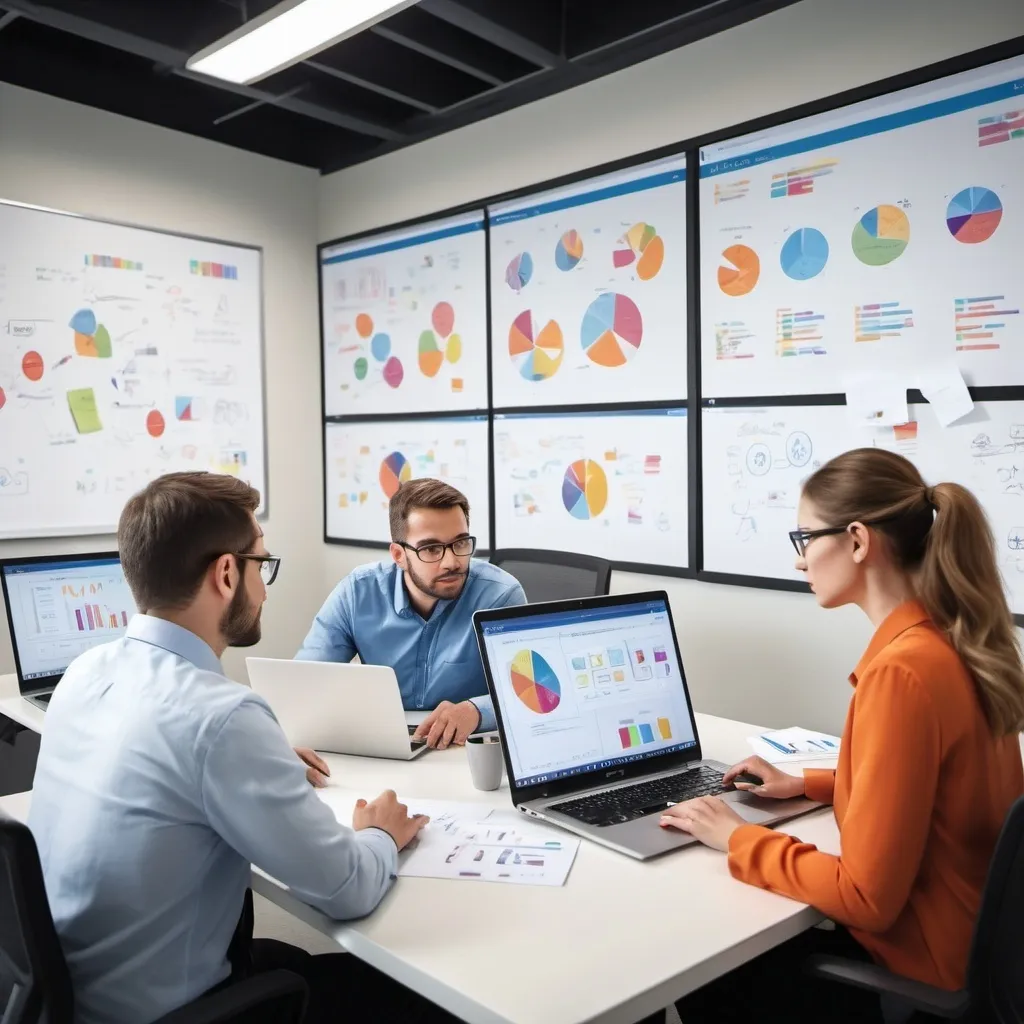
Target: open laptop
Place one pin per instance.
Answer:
(338, 708)
(596, 723)
(58, 607)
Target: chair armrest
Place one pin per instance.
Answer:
(281, 991)
(926, 998)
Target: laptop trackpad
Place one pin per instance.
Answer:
(756, 810)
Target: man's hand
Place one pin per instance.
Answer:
(707, 818)
(448, 723)
(317, 771)
(388, 814)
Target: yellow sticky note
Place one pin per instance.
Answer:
(82, 403)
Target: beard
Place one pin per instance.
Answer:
(432, 590)
(240, 625)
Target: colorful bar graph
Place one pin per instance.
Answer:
(1001, 128)
(799, 181)
(730, 338)
(111, 262)
(877, 320)
(731, 190)
(979, 320)
(798, 332)
(204, 268)
(641, 733)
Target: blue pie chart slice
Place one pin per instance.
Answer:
(804, 254)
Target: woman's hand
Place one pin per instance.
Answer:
(707, 818)
(776, 784)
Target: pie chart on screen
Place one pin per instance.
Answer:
(536, 351)
(612, 330)
(973, 215)
(569, 250)
(519, 271)
(881, 235)
(738, 270)
(534, 682)
(584, 489)
(804, 254)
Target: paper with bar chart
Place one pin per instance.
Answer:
(124, 354)
(405, 319)
(367, 462)
(588, 291)
(606, 484)
(878, 238)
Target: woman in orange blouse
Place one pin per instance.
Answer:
(930, 762)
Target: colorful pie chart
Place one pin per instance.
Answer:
(519, 271)
(431, 358)
(973, 215)
(584, 489)
(395, 470)
(881, 235)
(536, 351)
(641, 245)
(569, 250)
(804, 254)
(612, 330)
(534, 682)
(739, 270)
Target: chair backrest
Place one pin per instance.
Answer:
(555, 575)
(35, 987)
(995, 971)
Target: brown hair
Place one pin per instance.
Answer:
(175, 527)
(422, 493)
(942, 536)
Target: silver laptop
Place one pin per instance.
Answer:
(337, 708)
(596, 723)
(58, 607)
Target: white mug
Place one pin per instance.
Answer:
(483, 751)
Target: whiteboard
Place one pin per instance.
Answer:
(404, 318)
(755, 461)
(610, 484)
(125, 353)
(588, 291)
(366, 462)
(879, 237)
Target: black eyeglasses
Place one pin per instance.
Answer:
(801, 538)
(269, 564)
(463, 547)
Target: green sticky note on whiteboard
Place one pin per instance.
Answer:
(82, 403)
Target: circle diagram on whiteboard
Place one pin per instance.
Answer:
(739, 270)
(804, 254)
(569, 250)
(973, 215)
(535, 682)
(536, 351)
(612, 330)
(395, 470)
(881, 235)
(584, 489)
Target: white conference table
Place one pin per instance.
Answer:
(619, 941)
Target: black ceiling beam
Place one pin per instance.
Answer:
(232, 114)
(439, 55)
(381, 90)
(175, 59)
(490, 31)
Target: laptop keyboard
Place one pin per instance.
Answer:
(631, 802)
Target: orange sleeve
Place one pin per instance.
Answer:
(895, 754)
(820, 784)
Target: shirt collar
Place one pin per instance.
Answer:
(168, 636)
(907, 615)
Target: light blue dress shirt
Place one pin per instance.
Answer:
(368, 613)
(159, 781)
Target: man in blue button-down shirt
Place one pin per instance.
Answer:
(414, 612)
(160, 780)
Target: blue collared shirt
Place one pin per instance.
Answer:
(368, 613)
(159, 781)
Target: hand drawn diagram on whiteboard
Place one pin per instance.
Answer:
(368, 462)
(124, 354)
(881, 236)
(610, 484)
(588, 291)
(405, 320)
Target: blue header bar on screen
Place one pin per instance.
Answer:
(80, 563)
(872, 126)
(404, 243)
(583, 616)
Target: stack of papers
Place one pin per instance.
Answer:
(795, 744)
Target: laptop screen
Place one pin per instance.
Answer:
(61, 607)
(587, 689)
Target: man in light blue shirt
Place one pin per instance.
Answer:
(414, 612)
(160, 780)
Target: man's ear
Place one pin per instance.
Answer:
(223, 573)
(398, 554)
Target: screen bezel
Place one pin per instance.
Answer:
(592, 779)
(41, 683)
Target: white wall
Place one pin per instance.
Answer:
(773, 658)
(71, 157)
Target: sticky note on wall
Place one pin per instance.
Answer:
(82, 403)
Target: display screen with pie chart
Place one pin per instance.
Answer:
(879, 238)
(611, 484)
(366, 463)
(405, 319)
(588, 291)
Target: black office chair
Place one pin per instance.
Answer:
(995, 968)
(35, 987)
(555, 575)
